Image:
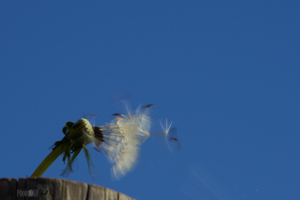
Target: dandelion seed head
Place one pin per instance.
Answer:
(125, 134)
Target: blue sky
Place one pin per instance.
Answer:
(225, 72)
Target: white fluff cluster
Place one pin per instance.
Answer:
(122, 139)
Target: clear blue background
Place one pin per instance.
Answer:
(225, 72)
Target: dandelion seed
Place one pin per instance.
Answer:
(170, 134)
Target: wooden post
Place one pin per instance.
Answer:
(54, 189)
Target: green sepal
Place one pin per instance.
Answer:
(65, 129)
(89, 161)
(88, 158)
(69, 125)
(69, 168)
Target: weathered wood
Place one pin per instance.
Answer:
(96, 192)
(124, 197)
(111, 195)
(8, 188)
(54, 189)
(21, 186)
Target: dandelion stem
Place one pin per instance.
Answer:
(49, 160)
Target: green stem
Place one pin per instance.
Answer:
(49, 160)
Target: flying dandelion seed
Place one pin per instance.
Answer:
(169, 134)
